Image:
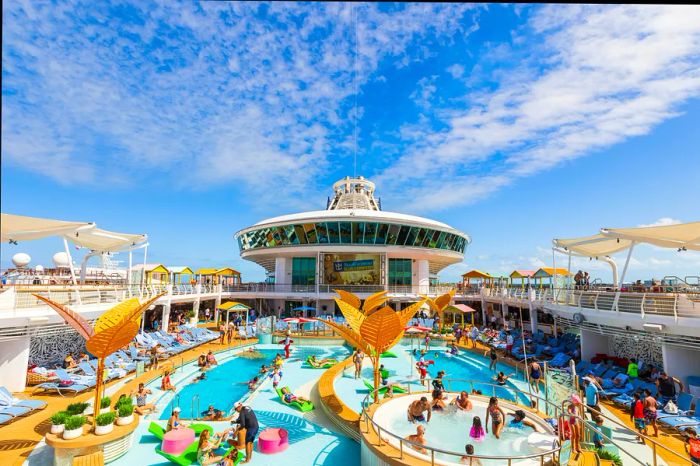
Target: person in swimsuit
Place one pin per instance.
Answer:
(211, 359)
(437, 381)
(576, 433)
(494, 359)
(477, 430)
(174, 422)
(416, 410)
(501, 378)
(497, 415)
(418, 437)
(469, 457)
(165, 383)
(463, 402)
(357, 359)
(201, 376)
(650, 413)
(206, 446)
(535, 375)
(692, 445)
(519, 420)
(289, 396)
(438, 403)
(230, 458)
(142, 406)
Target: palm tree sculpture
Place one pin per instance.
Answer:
(372, 328)
(113, 330)
(439, 305)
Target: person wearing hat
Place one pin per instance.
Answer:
(174, 422)
(248, 421)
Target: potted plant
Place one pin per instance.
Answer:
(76, 408)
(190, 315)
(58, 421)
(126, 414)
(105, 403)
(74, 427)
(105, 423)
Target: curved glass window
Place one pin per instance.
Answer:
(360, 233)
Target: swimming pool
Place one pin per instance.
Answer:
(449, 430)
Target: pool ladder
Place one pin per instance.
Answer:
(194, 402)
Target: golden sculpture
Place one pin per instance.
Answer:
(113, 330)
(373, 329)
(439, 305)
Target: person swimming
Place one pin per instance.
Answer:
(519, 421)
(477, 430)
(438, 403)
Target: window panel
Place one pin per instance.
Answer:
(358, 232)
(441, 239)
(291, 234)
(345, 232)
(370, 232)
(393, 234)
(299, 229)
(426, 240)
(381, 234)
(403, 235)
(419, 237)
(310, 230)
(322, 233)
(333, 232)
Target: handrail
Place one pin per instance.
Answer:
(627, 428)
(368, 401)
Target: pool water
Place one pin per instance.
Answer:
(449, 430)
(225, 384)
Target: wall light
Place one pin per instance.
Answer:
(657, 327)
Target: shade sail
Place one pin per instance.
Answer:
(682, 235)
(22, 228)
(476, 274)
(522, 274)
(100, 240)
(461, 308)
(592, 246)
(233, 306)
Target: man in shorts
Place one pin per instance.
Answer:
(248, 421)
(416, 410)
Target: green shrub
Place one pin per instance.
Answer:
(127, 400)
(608, 455)
(126, 410)
(105, 419)
(59, 418)
(76, 408)
(105, 402)
(75, 422)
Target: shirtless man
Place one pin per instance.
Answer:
(417, 408)
(418, 437)
(462, 402)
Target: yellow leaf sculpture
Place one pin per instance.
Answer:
(372, 329)
(439, 304)
(114, 329)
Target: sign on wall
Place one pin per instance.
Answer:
(352, 269)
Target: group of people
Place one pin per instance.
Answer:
(582, 280)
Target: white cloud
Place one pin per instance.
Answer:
(604, 74)
(663, 221)
(456, 70)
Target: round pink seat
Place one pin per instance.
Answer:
(177, 440)
(273, 440)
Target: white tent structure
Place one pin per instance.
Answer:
(682, 236)
(15, 228)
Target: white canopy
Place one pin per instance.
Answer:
(21, 228)
(106, 241)
(592, 246)
(681, 236)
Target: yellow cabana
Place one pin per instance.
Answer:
(226, 276)
(478, 276)
(155, 274)
(178, 273)
(233, 306)
(550, 272)
(521, 275)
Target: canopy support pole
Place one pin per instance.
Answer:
(70, 267)
(622, 278)
(83, 265)
(143, 272)
(128, 272)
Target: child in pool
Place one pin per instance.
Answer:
(477, 431)
(469, 457)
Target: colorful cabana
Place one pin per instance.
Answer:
(522, 275)
(150, 274)
(550, 273)
(225, 276)
(461, 310)
(478, 276)
(180, 274)
(234, 306)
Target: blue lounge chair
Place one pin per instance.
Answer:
(88, 381)
(134, 353)
(6, 399)
(685, 401)
(5, 418)
(14, 411)
(680, 422)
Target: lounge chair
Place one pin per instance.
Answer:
(158, 430)
(383, 390)
(388, 354)
(6, 399)
(325, 365)
(134, 354)
(5, 418)
(189, 456)
(75, 388)
(680, 422)
(685, 401)
(302, 406)
(15, 411)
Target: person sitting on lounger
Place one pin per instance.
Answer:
(289, 396)
(69, 362)
(206, 446)
(174, 422)
(320, 362)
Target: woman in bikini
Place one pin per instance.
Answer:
(497, 416)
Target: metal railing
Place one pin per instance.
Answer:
(430, 451)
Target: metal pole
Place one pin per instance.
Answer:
(622, 278)
(143, 272)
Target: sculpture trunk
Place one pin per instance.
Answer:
(375, 365)
(98, 390)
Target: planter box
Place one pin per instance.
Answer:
(104, 430)
(57, 429)
(125, 421)
(71, 434)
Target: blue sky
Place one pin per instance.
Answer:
(515, 124)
